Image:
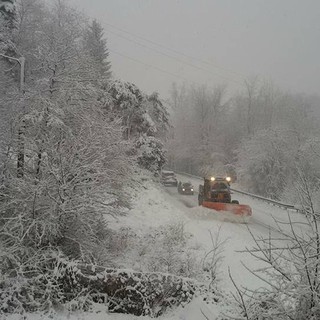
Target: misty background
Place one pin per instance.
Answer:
(229, 41)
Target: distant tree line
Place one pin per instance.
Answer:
(269, 140)
(262, 136)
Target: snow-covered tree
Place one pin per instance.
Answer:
(9, 74)
(96, 45)
(7, 24)
(212, 133)
(303, 187)
(290, 254)
(150, 153)
(199, 127)
(7, 8)
(145, 121)
(75, 158)
(129, 104)
(280, 125)
(159, 114)
(264, 161)
(80, 137)
(7, 27)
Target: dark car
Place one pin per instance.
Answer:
(185, 188)
(168, 178)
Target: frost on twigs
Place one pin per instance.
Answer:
(48, 280)
(167, 248)
(291, 258)
(291, 253)
(136, 293)
(76, 286)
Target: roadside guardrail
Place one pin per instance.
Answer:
(270, 201)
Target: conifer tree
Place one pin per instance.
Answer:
(96, 46)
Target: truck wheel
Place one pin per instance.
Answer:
(235, 201)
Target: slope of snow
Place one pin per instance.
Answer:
(157, 205)
(150, 208)
(265, 220)
(154, 206)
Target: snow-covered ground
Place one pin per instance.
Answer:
(159, 205)
(156, 206)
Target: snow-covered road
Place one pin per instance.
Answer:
(265, 219)
(156, 205)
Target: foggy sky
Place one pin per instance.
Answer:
(276, 39)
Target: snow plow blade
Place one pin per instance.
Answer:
(237, 209)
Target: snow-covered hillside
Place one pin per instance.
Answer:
(156, 209)
(158, 205)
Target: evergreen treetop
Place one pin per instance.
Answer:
(96, 45)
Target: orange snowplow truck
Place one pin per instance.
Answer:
(215, 194)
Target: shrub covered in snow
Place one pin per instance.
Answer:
(168, 248)
(264, 162)
(150, 153)
(291, 274)
(74, 286)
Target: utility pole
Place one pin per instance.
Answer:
(20, 161)
(22, 61)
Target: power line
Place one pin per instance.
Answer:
(175, 51)
(175, 58)
(148, 65)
